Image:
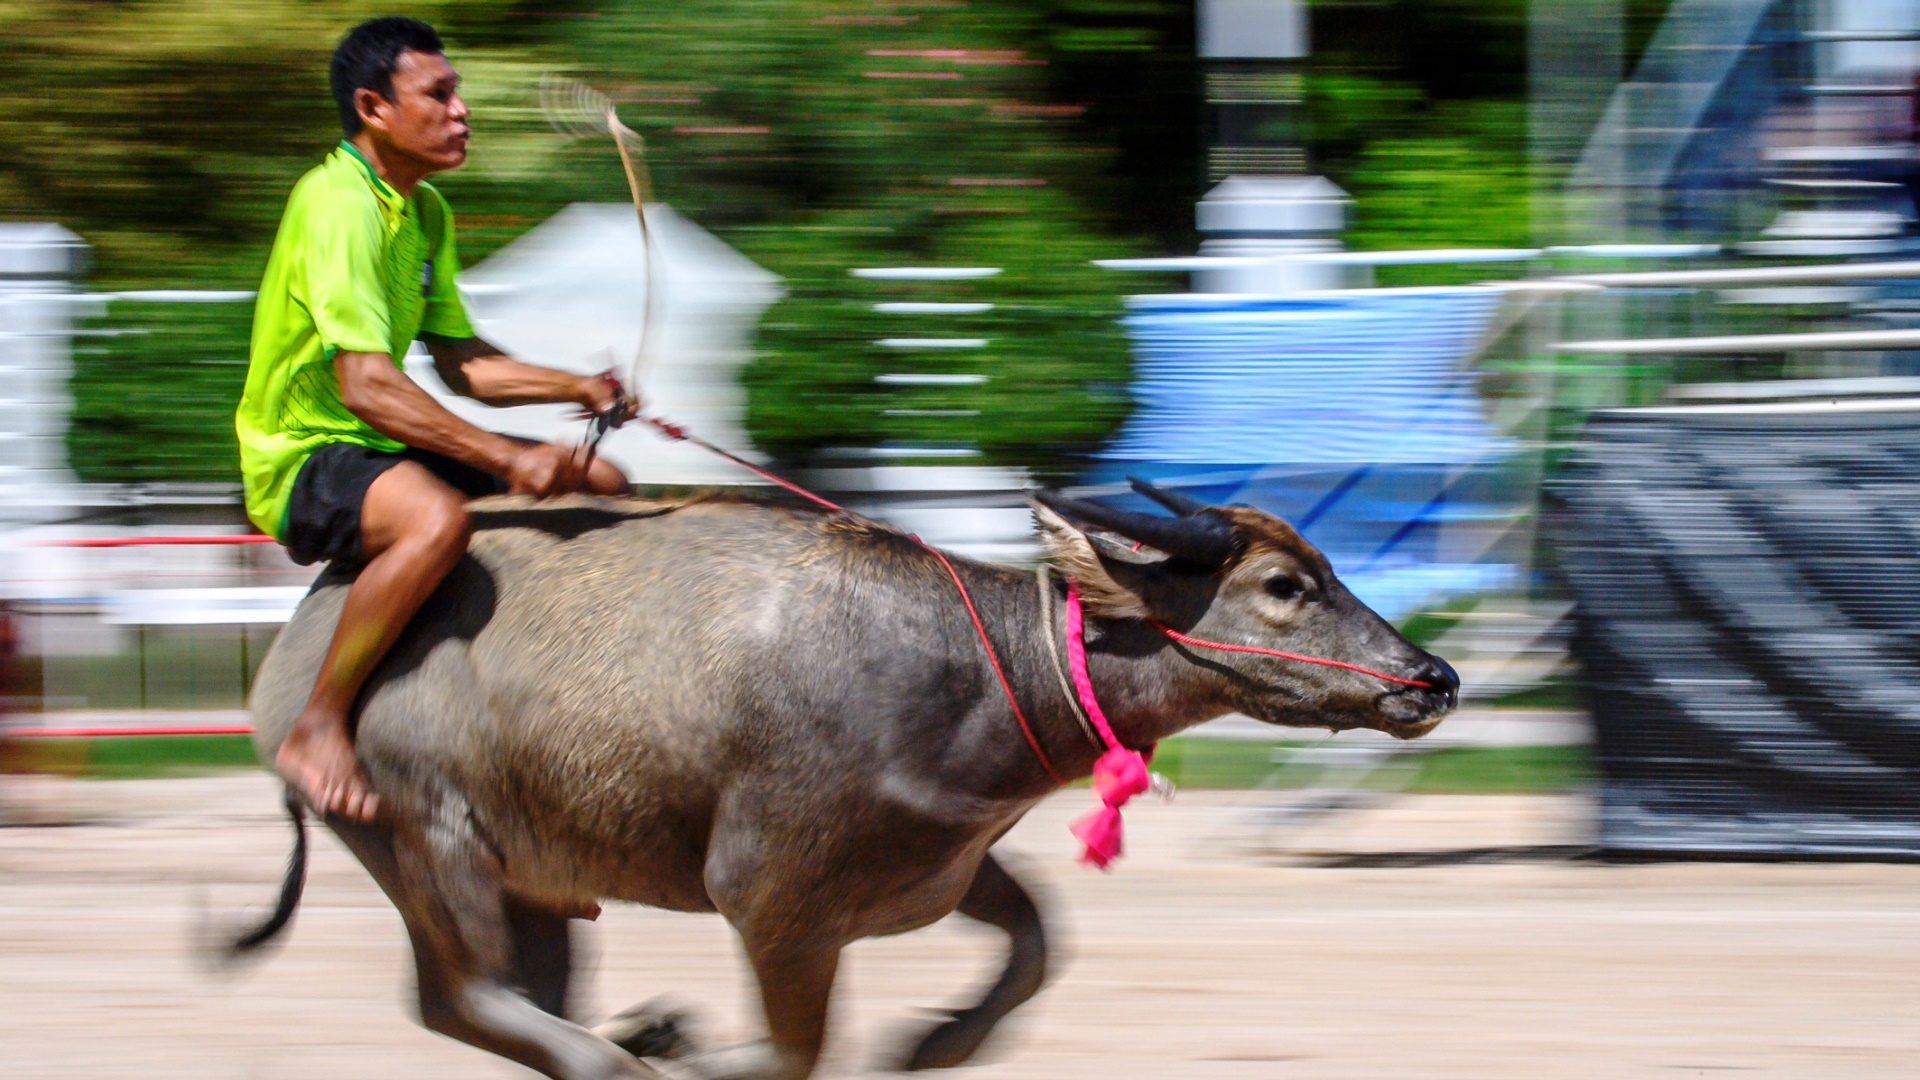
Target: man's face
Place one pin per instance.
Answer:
(425, 120)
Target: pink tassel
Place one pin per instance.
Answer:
(1119, 775)
(1099, 834)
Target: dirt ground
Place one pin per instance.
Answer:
(1209, 953)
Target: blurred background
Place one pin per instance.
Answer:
(1583, 335)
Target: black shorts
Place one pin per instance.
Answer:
(323, 517)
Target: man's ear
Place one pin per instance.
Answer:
(1112, 578)
(372, 108)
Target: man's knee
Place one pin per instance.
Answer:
(605, 478)
(407, 505)
(443, 524)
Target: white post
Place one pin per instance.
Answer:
(37, 263)
(1265, 207)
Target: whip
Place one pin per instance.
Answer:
(577, 110)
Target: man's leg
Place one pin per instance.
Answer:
(413, 529)
(605, 478)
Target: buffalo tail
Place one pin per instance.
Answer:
(290, 888)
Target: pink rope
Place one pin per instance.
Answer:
(1120, 774)
(1077, 665)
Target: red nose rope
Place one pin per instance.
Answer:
(1257, 650)
(677, 433)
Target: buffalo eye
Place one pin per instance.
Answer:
(1284, 587)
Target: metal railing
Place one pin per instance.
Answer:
(118, 613)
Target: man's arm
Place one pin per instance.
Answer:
(472, 367)
(381, 394)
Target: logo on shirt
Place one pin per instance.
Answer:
(426, 278)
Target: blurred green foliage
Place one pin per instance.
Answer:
(821, 137)
(815, 135)
(154, 393)
(1202, 762)
(1419, 110)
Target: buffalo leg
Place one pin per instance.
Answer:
(795, 986)
(996, 899)
(654, 1029)
(455, 915)
(542, 954)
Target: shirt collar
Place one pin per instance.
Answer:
(384, 190)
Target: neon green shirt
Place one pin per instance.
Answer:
(355, 268)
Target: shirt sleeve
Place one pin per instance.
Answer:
(446, 313)
(344, 279)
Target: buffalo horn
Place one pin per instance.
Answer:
(1205, 539)
(1172, 500)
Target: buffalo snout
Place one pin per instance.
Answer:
(1443, 683)
(1413, 710)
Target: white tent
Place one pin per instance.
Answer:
(570, 294)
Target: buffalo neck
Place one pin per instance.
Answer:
(1000, 759)
(1145, 689)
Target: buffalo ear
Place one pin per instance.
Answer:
(1111, 577)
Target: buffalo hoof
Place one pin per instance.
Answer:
(652, 1030)
(948, 1043)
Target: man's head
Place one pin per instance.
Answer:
(390, 78)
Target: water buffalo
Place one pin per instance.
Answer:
(784, 716)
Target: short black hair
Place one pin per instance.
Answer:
(366, 57)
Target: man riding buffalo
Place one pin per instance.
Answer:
(789, 716)
(345, 458)
(808, 723)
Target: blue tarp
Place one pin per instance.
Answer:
(1367, 378)
(1352, 416)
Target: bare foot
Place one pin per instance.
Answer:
(317, 756)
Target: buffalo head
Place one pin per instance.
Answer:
(1237, 575)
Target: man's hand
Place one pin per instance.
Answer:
(603, 393)
(394, 405)
(543, 469)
